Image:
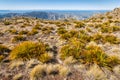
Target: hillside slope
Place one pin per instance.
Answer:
(36, 49)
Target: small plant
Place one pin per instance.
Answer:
(61, 30)
(18, 76)
(13, 31)
(38, 72)
(1, 57)
(106, 29)
(7, 23)
(45, 57)
(79, 25)
(33, 32)
(18, 38)
(73, 48)
(111, 39)
(65, 36)
(109, 17)
(47, 30)
(37, 26)
(95, 55)
(96, 73)
(116, 28)
(98, 37)
(23, 32)
(23, 26)
(3, 49)
(29, 50)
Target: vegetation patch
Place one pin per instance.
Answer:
(18, 38)
(28, 50)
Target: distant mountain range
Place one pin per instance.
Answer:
(51, 14)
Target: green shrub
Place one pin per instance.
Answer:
(37, 26)
(83, 36)
(1, 57)
(7, 23)
(91, 54)
(3, 49)
(94, 54)
(111, 39)
(18, 38)
(79, 25)
(13, 31)
(28, 50)
(65, 36)
(74, 48)
(23, 32)
(47, 30)
(109, 17)
(106, 29)
(33, 32)
(116, 28)
(98, 37)
(61, 30)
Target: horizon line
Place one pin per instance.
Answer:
(50, 9)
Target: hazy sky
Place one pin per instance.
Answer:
(59, 4)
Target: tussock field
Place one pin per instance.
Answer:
(36, 49)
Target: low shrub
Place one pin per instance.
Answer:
(18, 38)
(7, 23)
(37, 26)
(106, 29)
(91, 54)
(95, 55)
(3, 49)
(111, 39)
(13, 31)
(47, 30)
(74, 48)
(116, 28)
(29, 50)
(1, 57)
(79, 25)
(23, 32)
(61, 30)
(37, 72)
(33, 32)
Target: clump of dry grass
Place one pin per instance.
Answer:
(18, 76)
(69, 61)
(37, 72)
(16, 64)
(33, 62)
(116, 69)
(95, 73)
(41, 71)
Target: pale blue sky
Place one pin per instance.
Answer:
(59, 4)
